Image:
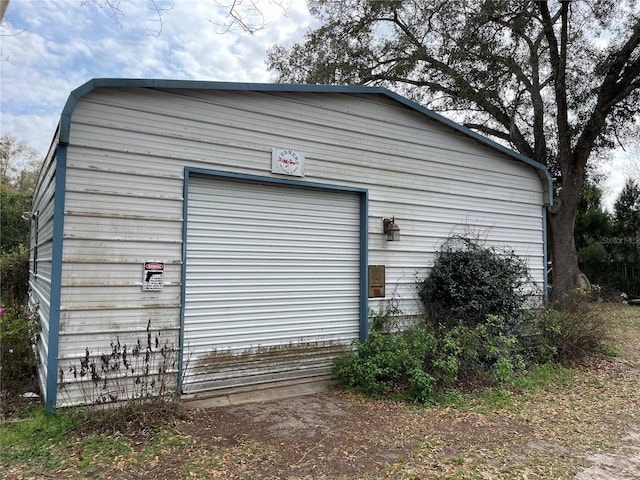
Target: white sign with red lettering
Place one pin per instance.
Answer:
(287, 162)
(152, 276)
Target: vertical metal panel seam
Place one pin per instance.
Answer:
(56, 279)
(364, 262)
(184, 278)
(545, 260)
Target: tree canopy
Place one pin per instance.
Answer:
(19, 165)
(558, 81)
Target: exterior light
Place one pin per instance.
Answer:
(391, 229)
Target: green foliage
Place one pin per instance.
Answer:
(421, 366)
(394, 364)
(455, 346)
(468, 282)
(19, 329)
(15, 230)
(609, 246)
(14, 276)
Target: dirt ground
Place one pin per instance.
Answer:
(338, 436)
(585, 429)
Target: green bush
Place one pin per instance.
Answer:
(419, 365)
(469, 281)
(19, 328)
(488, 354)
(15, 230)
(412, 365)
(14, 275)
(476, 331)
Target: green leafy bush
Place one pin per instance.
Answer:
(477, 331)
(488, 354)
(14, 275)
(19, 328)
(395, 364)
(469, 281)
(15, 230)
(419, 365)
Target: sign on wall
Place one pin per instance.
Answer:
(376, 281)
(153, 276)
(287, 162)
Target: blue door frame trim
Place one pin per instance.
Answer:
(364, 247)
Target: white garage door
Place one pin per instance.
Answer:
(272, 282)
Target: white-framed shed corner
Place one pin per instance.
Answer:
(222, 233)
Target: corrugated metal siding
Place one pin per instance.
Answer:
(41, 245)
(117, 217)
(272, 282)
(126, 159)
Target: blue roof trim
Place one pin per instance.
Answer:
(78, 93)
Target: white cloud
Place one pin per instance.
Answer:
(65, 43)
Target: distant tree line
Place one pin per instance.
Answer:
(608, 244)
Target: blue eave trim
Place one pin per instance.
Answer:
(51, 394)
(74, 97)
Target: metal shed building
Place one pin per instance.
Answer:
(234, 226)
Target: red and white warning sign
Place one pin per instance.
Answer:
(153, 276)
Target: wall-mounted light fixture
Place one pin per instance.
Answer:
(391, 229)
(28, 215)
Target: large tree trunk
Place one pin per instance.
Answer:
(561, 222)
(564, 258)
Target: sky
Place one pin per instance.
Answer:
(50, 47)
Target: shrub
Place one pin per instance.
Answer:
(469, 281)
(574, 327)
(15, 230)
(19, 328)
(488, 354)
(14, 275)
(418, 365)
(413, 365)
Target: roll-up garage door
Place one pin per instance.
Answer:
(272, 282)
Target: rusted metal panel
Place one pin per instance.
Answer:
(272, 282)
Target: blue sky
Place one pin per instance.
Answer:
(50, 47)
